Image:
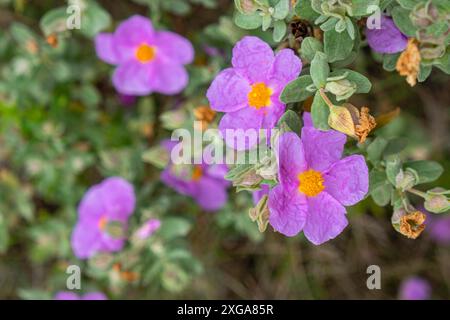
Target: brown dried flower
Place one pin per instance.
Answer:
(204, 114)
(412, 224)
(408, 63)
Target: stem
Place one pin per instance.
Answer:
(418, 193)
(325, 98)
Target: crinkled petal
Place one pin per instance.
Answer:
(211, 194)
(273, 113)
(105, 49)
(133, 78)
(86, 240)
(66, 295)
(288, 210)
(253, 58)
(118, 198)
(228, 92)
(291, 159)
(130, 34)
(348, 180)
(286, 67)
(174, 47)
(184, 186)
(322, 148)
(94, 296)
(240, 129)
(388, 39)
(91, 208)
(168, 77)
(218, 172)
(326, 218)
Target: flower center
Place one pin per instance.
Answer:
(311, 183)
(102, 222)
(197, 173)
(145, 53)
(259, 96)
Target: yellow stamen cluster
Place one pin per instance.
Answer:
(259, 96)
(310, 183)
(145, 53)
(197, 173)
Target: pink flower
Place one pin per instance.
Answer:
(147, 60)
(148, 228)
(387, 39)
(68, 295)
(249, 92)
(111, 201)
(415, 288)
(315, 185)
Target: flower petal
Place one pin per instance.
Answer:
(240, 129)
(174, 47)
(211, 194)
(105, 49)
(118, 198)
(167, 77)
(322, 148)
(228, 92)
(66, 295)
(326, 218)
(133, 78)
(94, 296)
(291, 159)
(286, 67)
(288, 210)
(387, 39)
(85, 240)
(253, 58)
(258, 194)
(131, 33)
(348, 180)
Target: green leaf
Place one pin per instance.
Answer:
(407, 4)
(424, 73)
(428, 171)
(376, 149)
(303, 9)
(392, 170)
(174, 227)
(337, 46)
(291, 121)
(94, 19)
(4, 237)
(403, 22)
(362, 83)
(296, 90)
(361, 8)
(379, 188)
(248, 22)
(319, 70)
(310, 46)
(266, 22)
(390, 61)
(54, 21)
(279, 30)
(394, 147)
(320, 112)
(281, 9)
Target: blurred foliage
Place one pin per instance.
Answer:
(63, 128)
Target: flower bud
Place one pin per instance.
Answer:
(406, 179)
(436, 201)
(260, 214)
(408, 224)
(342, 89)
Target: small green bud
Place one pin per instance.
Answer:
(342, 89)
(437, 202)
(406, 179)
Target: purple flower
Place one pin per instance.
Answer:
(204, 183)
(127, 100)
(387, 39)
(315, 185)
(111, 201)
(68, 295)
(148, 60)
(438, 227)
(415, 288)
(249, 92)
(148, 228)
(258, 194)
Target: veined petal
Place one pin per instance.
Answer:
(174, 47)
(291, 159)
(167, 77)
(133, 78)
(105, 49)
(286, 67)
